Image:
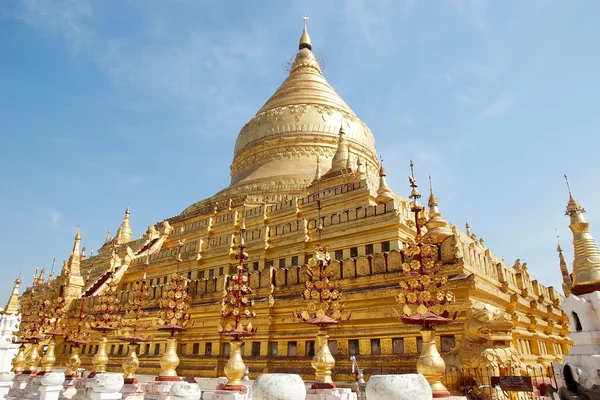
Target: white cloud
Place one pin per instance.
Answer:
(498, 107)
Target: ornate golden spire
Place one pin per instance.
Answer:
(124, 234)
(564, 271)
(360, 169)
(75, 251)
(342, 154)
(40, 278)
(384, 194)
(305, 42)
(438, 228)
(12, 307)
(586, 262)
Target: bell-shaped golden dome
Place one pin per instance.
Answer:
(300, 121)
(275, 152)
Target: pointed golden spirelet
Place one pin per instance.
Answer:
(12, 307)
(342, 153)
(305, 42)
(564, 271)
(384, 194)
(438, 228)
(586, 262)
(124, 234)
(360, 169)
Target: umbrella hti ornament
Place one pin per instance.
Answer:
(321, 293)
(105, 317)
(235, 307)
(323, 308)
(423, 298)
(130, 328)
(54, 312)
(30, 331)
(173, 317)
(74, 334)
(422, 290)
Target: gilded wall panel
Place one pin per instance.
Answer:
(410, 345)
(363, 266)
(394, 261)
(348, 268)
(292, 275)
(335, 268)
(378, 263)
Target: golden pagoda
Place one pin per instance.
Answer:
(366, 226)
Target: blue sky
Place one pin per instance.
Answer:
(110, 103)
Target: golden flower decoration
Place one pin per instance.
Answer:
(415, 264)
(403, 285)
(401, 298)
(411, 297)
(406, 267)
(413, 283)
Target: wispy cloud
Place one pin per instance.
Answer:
(473, 11)
(499, 107)
(61, 17)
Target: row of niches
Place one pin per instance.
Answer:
(284, 262)
(295, 348)
(541, 347)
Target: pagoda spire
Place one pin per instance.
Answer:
(12, 307)
(438, 228)
(77, 242)
(305, 42)
(342, 153)
(124, 233)
(384, 194)
(40, 278)
(72, 266)
(586, 262)
(564, 271)
(360, 169)
(108, 238)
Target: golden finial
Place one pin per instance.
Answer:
(433, 202)
(384, 194)
(414, 193)
(586, 262)
(438, 228)
(564, 271)
(12, 306)
(573, 205)
(305, 38)
(107, 237)
(124, 233)
(558, 247)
